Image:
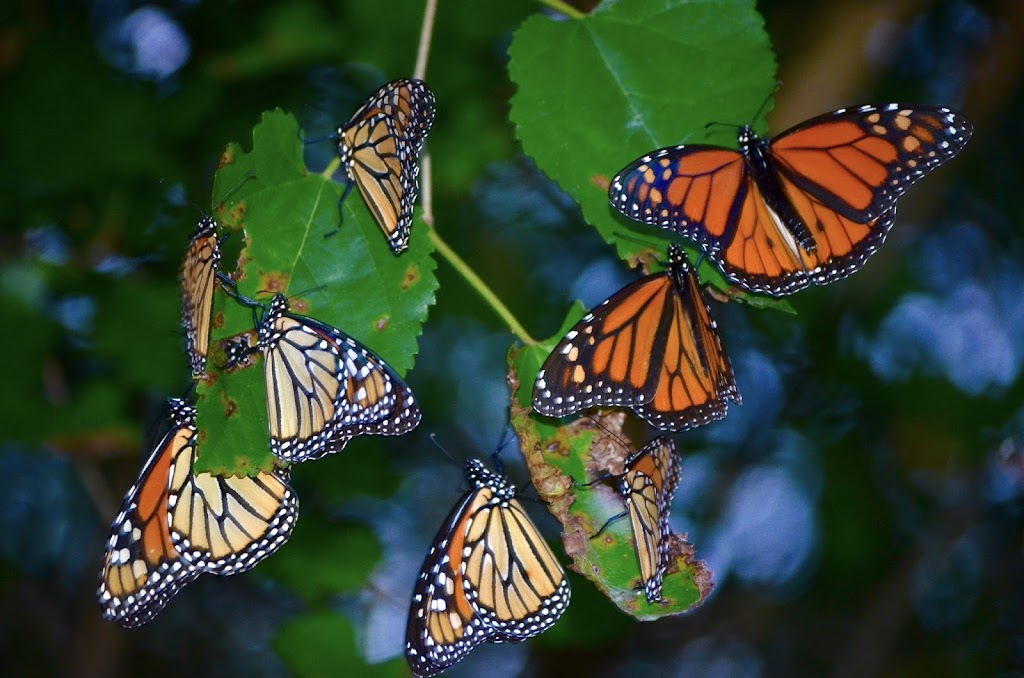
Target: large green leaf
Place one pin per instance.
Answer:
(637, 75)
(562, 459)
(351, 280)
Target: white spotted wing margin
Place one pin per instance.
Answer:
(489, 577)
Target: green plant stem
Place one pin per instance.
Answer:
(563, 7)
(331, 168)
(481, 287)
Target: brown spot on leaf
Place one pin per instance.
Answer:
(274, 282)
(412, 274)
(601, 181)
(381, 324)
(227, 157)
(217, 320)
(299, 305)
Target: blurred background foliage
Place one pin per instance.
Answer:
(861, 511)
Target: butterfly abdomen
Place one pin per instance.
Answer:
(765, 174)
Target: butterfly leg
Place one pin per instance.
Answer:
(607, 523)
(341, 215)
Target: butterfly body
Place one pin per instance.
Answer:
(489, 577)
(806, 207)
(652, 346)
(323, 387)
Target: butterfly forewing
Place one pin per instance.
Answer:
(858, 161)
(379, 147)
(489, 577)
(649, 481)
(141, 568)
(652, 347)
(323, 387)
(198, 272)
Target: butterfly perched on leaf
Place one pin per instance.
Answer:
(489, 577)
(647, 485)
(379, 148)
(807, 207)
(198, 273)
(175, 524)
(322, 386)
(652, 347)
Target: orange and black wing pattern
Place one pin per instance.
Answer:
(142, 569)
(198, 273)
(324, 388)
(652, 347)
(650, 479)
(489, 577)
(379, 148)
(175, 524)
(809, 207)
(227, 524)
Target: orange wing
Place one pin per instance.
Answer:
(652, 347)
(198, 271)
(857, 161)
(838, 174)
(141, 568)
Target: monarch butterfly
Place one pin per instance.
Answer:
(379, 146)
(651, 347)
(174, 524)
(809, 206)
(323, 387)
(647, 485)
(198, 270)
(489, 577)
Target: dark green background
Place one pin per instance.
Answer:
(915, 484)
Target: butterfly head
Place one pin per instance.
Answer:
(481, 477)
(747, 139)
(206, 227)
(182, 412)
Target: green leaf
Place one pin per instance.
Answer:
(323, 644)
(323, 558)
(597, 93)
(350, 280)
(562, 456)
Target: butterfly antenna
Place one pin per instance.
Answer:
(433, 439)
(607, 523)
(764, 104)
(317, 140)
(238, 184)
